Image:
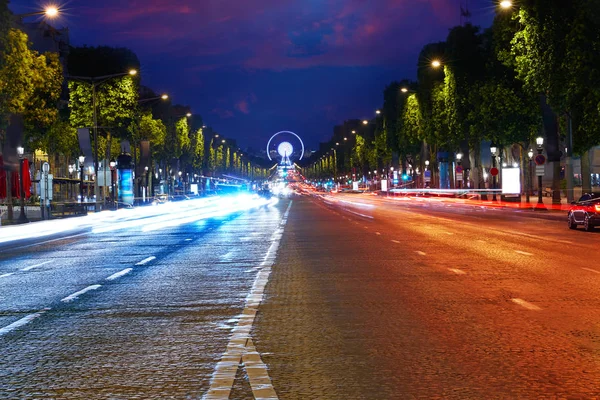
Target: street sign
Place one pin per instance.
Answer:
(540, 170)
(427, 176)
(540, 159)
(459, 169)
(494, 171)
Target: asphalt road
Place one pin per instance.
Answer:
(375, 298)
(344, 297)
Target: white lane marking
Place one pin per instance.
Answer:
(366, 227)
(6, 275)
(224, 374)
(457, 271)
(481, 241)
(188, 240)
(448, 233)
(360, 214)
(119, 274)
(378, 233)
(523, 252)
(35, 266)
(396, 241)
(587, 269)
(421, 253)
(75, 295)
(21, 322)
(260, 382)
(146, 260)
(526, 304)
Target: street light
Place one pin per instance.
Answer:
(81, 160)
(494, 151)
(540, 148)
(530, 180)
(22, 216)
(354, 132)
(377, 112)
(506, 4)
(113, 164)
(459, 157)
(365, 122)
(50, 12)
(436, 64)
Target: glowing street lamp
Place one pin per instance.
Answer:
(506, 4)
(50, 12)
(365, 122)
(377, 112)
(436, 64)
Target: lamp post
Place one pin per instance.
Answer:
(540, 148)
(95, 82)
(22, 217)
(81, 166)
(530, 178)
(113, 194)
(147, 195)
(459, 157)
(494, 151)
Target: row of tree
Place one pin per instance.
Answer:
(53, 103)
(533, 72)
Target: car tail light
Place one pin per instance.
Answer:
(597, 207)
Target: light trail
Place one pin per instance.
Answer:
(145, 218)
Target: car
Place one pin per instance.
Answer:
(586, 212)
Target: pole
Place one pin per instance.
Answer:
(81, 184)
(569, 160)
(96, 187)
(22, 216)
(494, 198)
(529, 184)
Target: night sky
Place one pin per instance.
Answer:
(254, 67)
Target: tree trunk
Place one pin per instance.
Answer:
(586, 173)
(552, 146)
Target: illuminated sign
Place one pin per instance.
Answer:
(511, 181)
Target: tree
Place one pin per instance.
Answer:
(30, 83)
(197, 147)
(554, 51)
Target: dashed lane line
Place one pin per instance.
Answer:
(21, 322)
(7, 275)
(146, 260)
(526, 304)
(396, 241)
(523, 253)
(378, 233)
(36, 266)
(457, 271)
(119, 274)
(585, 269)
(76, 295)
(421, 253)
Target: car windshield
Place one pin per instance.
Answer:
(299, 199)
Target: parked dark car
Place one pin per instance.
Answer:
(586, 212)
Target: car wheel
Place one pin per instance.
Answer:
(571, 222)
(587, 226)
